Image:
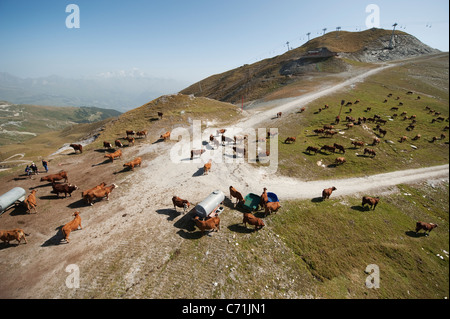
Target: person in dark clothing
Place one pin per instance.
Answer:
(45, 164)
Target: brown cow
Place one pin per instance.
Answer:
(56, 177)
(415, 138)
(340, 160)
(100, 186)
(328, 148)
(30, 202)
(234, 193)
(160, 114)
(382, 132)
(271, 207)
(310, 149)
(136, 162)
(130, 140)
(358, 144)
(327, 192)
(207, 167)
(165, 136)
(118, 143)
(130, 132)
(328, 127)
(74, 224)
(142, 133)
(212, 223)
(370, 151)
(63, 188)
(402, 139)
(264, 199)
(107, 144)
(14, 234)
(178, 202)
(77, 147)
(99, 193)
(279, 114)
(330, 133)
(291, 139)
(371, 201)
(250, 219)
(197, 152)
(425, 226)
(339, 147)
(113, 156)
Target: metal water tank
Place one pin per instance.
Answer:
(210, 204)
(10, 197)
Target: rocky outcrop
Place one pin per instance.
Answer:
(403, 46)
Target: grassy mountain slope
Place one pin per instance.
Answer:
(262, 78)
(19, 122)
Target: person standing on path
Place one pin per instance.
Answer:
(45, 164)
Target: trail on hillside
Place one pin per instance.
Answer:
(229, 169)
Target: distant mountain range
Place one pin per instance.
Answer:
(121, 90)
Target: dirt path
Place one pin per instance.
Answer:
(135, 235)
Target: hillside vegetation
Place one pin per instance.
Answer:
(427, 78)
(355, 50)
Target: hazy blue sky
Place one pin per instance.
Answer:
(187, 39)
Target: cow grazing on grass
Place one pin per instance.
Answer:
(376, 141)
(56, 177)
(165, 136)
(160, 115)
(371, 201)
(74, 224)
(130, 132)
(358, 144)
(118, 143)
(303, 109)
(30, 202)
(235, 194)
(328, 148)
(328, 127)
(136, 162)
(14, 234)
(427, 227)
(291, 139)
(327, 192)
(212, 223)
(207, 167)
(113, 156)
(370, 151)
(252, 220)
(271, 207)
(107, 144)
(197, 152)
(382, 132)
(339, 147)
(77, 147)
(415, 138)
(330, 133)
(182, 203)
(63, 189)
(319, 131)
(99, 193)
(340, 160)
(403, 139)
(313, 149)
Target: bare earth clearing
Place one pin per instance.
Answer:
(127, 245)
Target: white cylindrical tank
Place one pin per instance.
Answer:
(10, 197)
(210, 203)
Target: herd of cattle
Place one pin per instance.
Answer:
(329, 130)
(102, 191)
